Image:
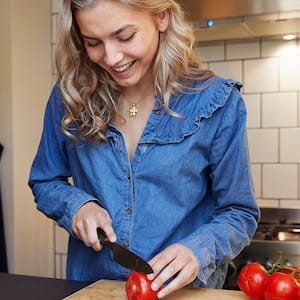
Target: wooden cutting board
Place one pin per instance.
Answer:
(109, 289)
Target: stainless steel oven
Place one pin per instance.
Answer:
(277, 236)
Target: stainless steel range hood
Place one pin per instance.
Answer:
(243, 19)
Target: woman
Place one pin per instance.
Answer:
(156, 147)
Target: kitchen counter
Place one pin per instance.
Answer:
(16, 287)
(108, 289)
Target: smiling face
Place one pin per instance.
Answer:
(122, 41)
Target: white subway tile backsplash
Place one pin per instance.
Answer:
(211, 53)
(268, 203)
(261, 75)
(256, 176)
(279, 48)
(280, 181)
(253, 105)
(242, 50)
(285, 203)
(263, 145)
(290, 145)
(228, 69)
(290, 73)
(279, 110)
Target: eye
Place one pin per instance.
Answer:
(127, 37)
(92, 44)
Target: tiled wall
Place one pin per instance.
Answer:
(270, 73)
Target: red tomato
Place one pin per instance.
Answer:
(298, 295)
(138, 287)
(280, 286)
(290, 272)
(251, 280)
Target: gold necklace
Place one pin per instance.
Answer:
(133, 109)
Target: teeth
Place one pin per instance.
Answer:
(123, 68)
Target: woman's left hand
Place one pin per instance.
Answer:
(178, 261)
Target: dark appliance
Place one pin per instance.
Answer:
(277, 237)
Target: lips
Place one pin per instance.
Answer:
(124, 67)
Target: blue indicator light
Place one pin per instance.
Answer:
(210, 23)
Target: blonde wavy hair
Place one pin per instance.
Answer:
(90, 95)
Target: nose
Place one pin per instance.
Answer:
(112, 55)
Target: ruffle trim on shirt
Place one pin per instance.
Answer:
(194, 107)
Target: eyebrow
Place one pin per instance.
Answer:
(113, 33)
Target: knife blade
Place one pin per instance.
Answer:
(123, 256)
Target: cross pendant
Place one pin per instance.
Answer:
(133, 110)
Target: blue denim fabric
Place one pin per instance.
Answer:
(189, 182)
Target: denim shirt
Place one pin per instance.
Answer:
(189, 182)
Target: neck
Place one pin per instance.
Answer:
(132, 106)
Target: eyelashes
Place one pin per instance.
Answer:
(128, 38)
(96, 43)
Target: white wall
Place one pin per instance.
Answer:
(25, 81)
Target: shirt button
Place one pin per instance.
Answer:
(129, 176)
(125, 244)
(129, 211)
(158, 111)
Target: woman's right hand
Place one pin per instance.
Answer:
(88, 218)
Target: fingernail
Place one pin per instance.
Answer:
(160, 295)
(150, 276)
(154, 286)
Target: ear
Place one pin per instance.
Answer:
(163, 20)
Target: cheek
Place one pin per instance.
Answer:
(146, 49)
(94, 55)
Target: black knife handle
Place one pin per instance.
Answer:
(101, 236)
(103, 239)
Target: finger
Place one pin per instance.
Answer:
(89, 235)
(79, 231)
(183, 278)
(163, 267)
(86, 231)
(93, 239)
(168, 272)
(109, 232)
(164, 258)
(105, 223)
(154, 263)
(176, 261)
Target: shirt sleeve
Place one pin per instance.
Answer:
(231, 189)
(50, 173)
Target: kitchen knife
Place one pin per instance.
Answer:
(123, 256)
